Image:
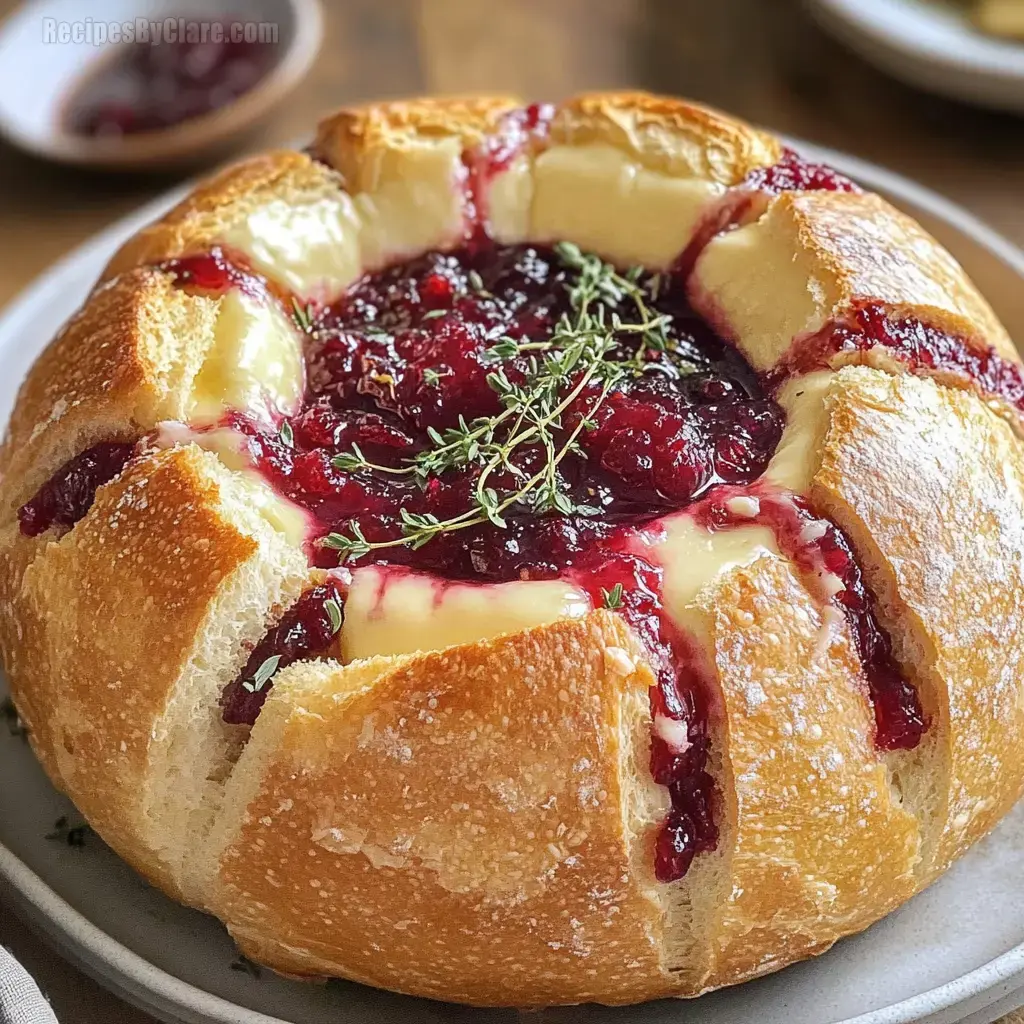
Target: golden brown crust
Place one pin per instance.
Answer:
(673, 136)
(206, 215)
(353, 139)
(123, 363)
(815, 841)
(930, 484)
(111, 612)
(449, 901)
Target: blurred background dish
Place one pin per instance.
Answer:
(85, 84)
(1003, 18)
(971, 50)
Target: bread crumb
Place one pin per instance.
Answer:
(618, 662)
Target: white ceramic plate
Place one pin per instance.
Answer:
(930, 44)
(955, 953)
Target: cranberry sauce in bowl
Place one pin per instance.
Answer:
(150, 84)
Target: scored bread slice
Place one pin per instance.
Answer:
(123, 671)
(815, 843)
(258, 207)
(941, 538)
(123, 363)
(813, 257)
(441, 823)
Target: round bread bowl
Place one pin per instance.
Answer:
(620, 641)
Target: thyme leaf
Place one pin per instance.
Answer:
(263, 674)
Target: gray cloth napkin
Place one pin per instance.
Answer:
(21, 1002)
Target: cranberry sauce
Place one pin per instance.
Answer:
(794, 173)
(822, 551)
(413, 357)
(616, 577)
(150, 85)
(218, 271)
(924, 349)
(66, 497)
(307, 629)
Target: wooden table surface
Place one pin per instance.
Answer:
(762, 60)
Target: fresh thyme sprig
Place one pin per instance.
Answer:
(578, 358)
(305, 315)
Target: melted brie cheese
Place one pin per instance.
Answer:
(599, 198)
(255, 363)
(399, 614)
(764, 287)
(694, 557)
(312, 248)
(411, 200)
(230, 447)
(798, 456)
(508, 201)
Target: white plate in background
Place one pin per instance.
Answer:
(954, 953)
(930, 44)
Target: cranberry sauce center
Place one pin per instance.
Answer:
(436, 355)
(457, 422)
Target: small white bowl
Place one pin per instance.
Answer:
(39, 73)
(931, 45)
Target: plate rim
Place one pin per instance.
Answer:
(983, 70)
(133, 978)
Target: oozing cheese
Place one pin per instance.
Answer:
(508, 201)
(764, 288)
(797, 458)
(230, 447)
(255, 363)
(310, 248)
(694, 557)
(399, 614)
(410, 200)
(599, 198)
